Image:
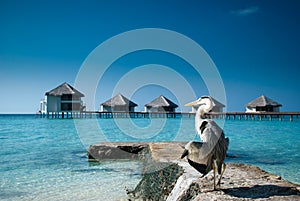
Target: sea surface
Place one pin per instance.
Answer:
(46, 159)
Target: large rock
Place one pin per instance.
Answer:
(156, 185)
(166, 177)
(115, 151)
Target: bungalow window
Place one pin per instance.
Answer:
(70, 106)
(66, 97)
(168, 109)
(120, 108)
(267, 108)
(66, 106)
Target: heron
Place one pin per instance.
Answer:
(210, 153)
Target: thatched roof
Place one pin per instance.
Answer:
(161, 101)
(263, 101)
(119, 100)
(64, 89)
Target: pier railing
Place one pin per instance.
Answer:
(254, 115)
(213, 115)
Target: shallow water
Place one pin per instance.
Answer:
(45, 159)
(272, 145)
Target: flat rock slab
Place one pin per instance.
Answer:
(243, 182)
(166, 151)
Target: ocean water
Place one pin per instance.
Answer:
(45, 159)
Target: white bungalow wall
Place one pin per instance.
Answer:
(53, 104)
(250, 109)
(101, 108)
(43, 105)
(151, 109)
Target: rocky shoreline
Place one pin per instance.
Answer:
(165, 177)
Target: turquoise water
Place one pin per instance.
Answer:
(271, 145)
(45, 159)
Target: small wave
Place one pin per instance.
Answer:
(94, 170)
(270, 162)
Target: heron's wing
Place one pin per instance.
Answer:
(210, 136)
(215, 127)
(217, 144)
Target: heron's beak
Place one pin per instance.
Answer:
(197, 102)
(185, 153)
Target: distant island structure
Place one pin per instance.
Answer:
(263, 104)
(118, 103)
(218, 107)
(62, 99)
(161, 104)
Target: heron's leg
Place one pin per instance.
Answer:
(214, 169)
(223, 169)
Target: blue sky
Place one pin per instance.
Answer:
(254, 44)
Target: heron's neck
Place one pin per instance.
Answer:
(200, 113)
(198, 119)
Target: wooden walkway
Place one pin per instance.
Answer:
(255, 116)
(214, 115)
(110, 115)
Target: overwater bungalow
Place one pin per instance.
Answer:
(263, 104)
(63, 98)
(218, 107)
(118, 103)
(161, 104)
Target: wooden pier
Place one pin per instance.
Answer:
(213, 115)
(255, 115)
(110, 115)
